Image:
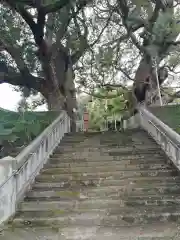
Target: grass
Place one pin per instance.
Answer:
(26, 127)
(169, 114)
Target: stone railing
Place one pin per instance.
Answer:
(17, 174)
(166, 137)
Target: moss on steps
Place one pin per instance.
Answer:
(117, 198)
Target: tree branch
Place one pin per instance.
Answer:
(102, 30)
(83, 40)
(24, 78)
(123, 37)
(85, 45)
(36, 28)
(100, 96)
(125, 73)
(115, 86)
(16, 54)
(50, 27)
(54, 7)
(39, 30)
(47, 8)
(24, 14)
(30, 3)
(124, 11)
(154, 16)
(65, 23)
(17, 79)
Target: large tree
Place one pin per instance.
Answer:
(141, 38)
(106, 43)
(41, 42)
(152, 27)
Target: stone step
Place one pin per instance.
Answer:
(154, 158)
(102, 192)
(110, 153)
(164, 200)
(144, 152)
(83, 134)
(99, 157)
(103, 181)
(120, 211)
(100, 218)
(128, 189)
(51, 169)
(110, 143)
(98, 179)
(116, 138)
(106, 148)
(69, 205)
(76, 140)
(106, 203)
(75, 137)
(112, 175)
(102, 203)
(43, 186)
(129, 164)
(110, 160)
(138, 147)
(156, 231)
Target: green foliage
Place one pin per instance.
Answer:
(115, 56)
(164, 27)
(169, 114)
(112, 105)
(174, 59)
(23, 127)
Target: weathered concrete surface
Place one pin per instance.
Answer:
(102, 186)
(153, 232)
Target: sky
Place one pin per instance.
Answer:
(9, 98)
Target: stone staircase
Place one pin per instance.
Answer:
(101, 186)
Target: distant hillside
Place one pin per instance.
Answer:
(169, 114)
(18, 129)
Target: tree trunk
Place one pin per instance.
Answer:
(56, 102)
(145, 83)
(59, 88)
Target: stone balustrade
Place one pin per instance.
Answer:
(17, 174)
(166, 137)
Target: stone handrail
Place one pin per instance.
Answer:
(17, 174)
(166, 137)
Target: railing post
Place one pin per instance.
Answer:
(8, 187)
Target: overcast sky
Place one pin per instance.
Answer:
(9, 98)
